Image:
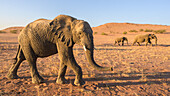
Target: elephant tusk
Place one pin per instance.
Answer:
(84, 48)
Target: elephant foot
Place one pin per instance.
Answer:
(79, 82)
(61, 81)
(12, 75)
(37, 80)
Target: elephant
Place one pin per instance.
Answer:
(145, 38)
(121, 39)
(42, 38)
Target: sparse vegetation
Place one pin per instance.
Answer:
(2, 31)
(13, 31)
(95, 33)
(124, 32)
(141, 30)
(133, 31)
(159, 31)
(111, 32)
(148, 30)
(104, 33)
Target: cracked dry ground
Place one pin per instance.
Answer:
(138, 70)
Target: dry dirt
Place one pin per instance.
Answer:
(138, 70)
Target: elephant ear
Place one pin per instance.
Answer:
(150, 36)
(61, 27)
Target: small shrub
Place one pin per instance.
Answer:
(148, 30)
(125, 32)
(159, 31)
(95, 33)
(133, 31)
(112, 32)
(13, 31)
(2, 31)
(141, 30)
(104, 33)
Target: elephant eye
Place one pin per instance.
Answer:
(79, 33)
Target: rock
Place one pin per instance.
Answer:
(131, 63)
(7, 82)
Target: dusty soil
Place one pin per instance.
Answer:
(138, 70)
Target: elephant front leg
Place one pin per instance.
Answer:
(150, 43)
(115, 42)
(78, 72)
(61, 75)
(138, 43)
(76, 68)
(66, 57)
(12, 73)
(122, 43)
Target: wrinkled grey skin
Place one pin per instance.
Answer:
(121, 39)
(145, 38)
(43, 38)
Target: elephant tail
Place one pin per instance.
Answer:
(15, 59)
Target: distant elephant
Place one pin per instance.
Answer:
(121, 39)
(43, 38)
(145, 38)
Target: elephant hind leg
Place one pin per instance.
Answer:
(138, 43)
(133, 43)
(122, 43)
(31, 59)
(119, 43)
(12, 73)
(115, 42)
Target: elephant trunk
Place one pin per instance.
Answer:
(127, 42)
(156, 41)
(89, 55)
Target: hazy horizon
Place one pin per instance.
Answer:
(96, 12)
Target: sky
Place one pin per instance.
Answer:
(96, 12)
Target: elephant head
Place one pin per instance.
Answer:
(71, 31)
(125, 39)
(153, 36)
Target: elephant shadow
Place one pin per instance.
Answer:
(151, 79)
(111, 45)
(163, 45)
(102, 48)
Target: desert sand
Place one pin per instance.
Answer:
(138, 70)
